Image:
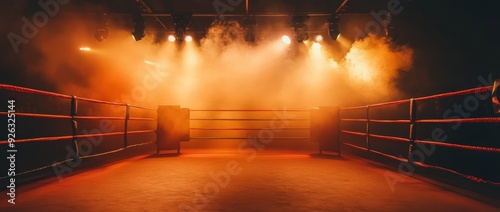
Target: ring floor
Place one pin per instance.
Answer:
(288, 181)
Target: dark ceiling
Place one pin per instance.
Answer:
(254, 6)
(158, 13)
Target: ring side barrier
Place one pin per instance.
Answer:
(457, 93)
(74, 122)
(460, 146)
(77, 117)
(244, 120)
(413, 123)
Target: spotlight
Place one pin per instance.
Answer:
(102, 30)
(188, 38)
(319, 38)
(87, 49)
(300, 28)
(181, 24)
(286, 39)
(139, 28)
(249, 24)
(333, 27)
(171, 38)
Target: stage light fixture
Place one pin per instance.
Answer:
(333, 27)
(171, 38)
(180, 34)
(286, 39)
(392, 33)
(181, 24)
(300, 27)
(102, 29)
(391, 30)
(189, 38)
(318, 38)
(139, 28)
(301, 35)
(249, 24)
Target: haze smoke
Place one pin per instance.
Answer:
(221, 71)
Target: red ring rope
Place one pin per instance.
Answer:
(354, 120)
(141, 107)
(69, 137)
(464, 120)
(354, 146)
(470, 177)
(457, 93)
(353, 133)
(142, 119)
(460, 146)
(98, 118)
(32, 91)
(140, 131)
(55, 138)
(390, 103)
(389, 156)
(39, 115)
(391, 138)
(47, 93)
(354, 108)
(101, 101)
(390, 121)
(377, 121)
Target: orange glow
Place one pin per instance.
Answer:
(344, 42)
(332, 64)
(373, 62)
(316, 47)
(219, 71)
(362, 70)
(149, 62)
(362, 66)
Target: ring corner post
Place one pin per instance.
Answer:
(172, 128)
(325, 128)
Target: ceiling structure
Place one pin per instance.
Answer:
(158, 13)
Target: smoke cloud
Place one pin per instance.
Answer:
(219, 71)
